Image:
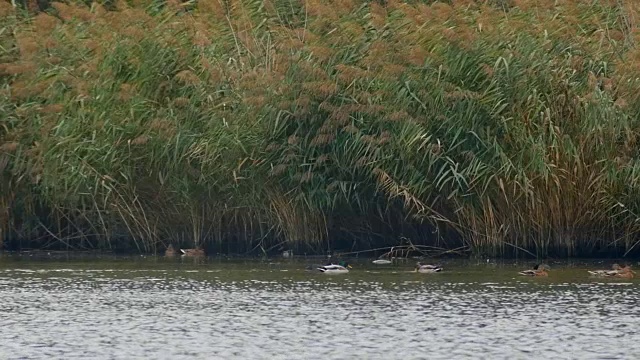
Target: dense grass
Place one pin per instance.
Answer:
(495, 127)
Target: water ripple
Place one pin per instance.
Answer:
(89, 313)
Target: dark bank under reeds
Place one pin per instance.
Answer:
(492, 127)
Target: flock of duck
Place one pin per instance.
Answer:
(616, 271)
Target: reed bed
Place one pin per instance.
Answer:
(502, 127)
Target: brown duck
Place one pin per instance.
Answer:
(170, 251)
(617, 271)
(538, 270)
(197, 252)
(625, 272)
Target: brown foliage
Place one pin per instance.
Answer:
(378, 15)
(127, 91)
(163, 127)
(320, 160)
(322, 139)
(52, 109)
(10, 146)
(45, 23)
(348, 74)
(6, 9)
(320, 89)
(181, 102)
(22, 90)
(306, 177)
(397, 116)
(201, 39)
(17, 68)
(351, 129)
(187, 77)
(27, 45)
(293, 140)
(140, 140)
(278, 169)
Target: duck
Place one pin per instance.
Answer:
(538, 270)
(170, 251)
(341, 268)
(615, 269)
(197, 252)
(625, 272)
(427, 269)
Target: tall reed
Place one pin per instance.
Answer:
(505, 128)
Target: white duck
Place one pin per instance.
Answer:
(341, 268)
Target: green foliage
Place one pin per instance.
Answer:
(242, 125)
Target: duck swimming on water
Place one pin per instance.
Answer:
(538, 270)
(197, 252)
(617, 271)
(341, 268)
(427, 269)
(625, 273)
(170, 251)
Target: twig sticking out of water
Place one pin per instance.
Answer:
(405, 251)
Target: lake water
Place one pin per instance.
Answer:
(132, 308)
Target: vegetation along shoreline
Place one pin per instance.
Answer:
(466, 127)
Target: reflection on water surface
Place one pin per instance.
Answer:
(106, 309)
